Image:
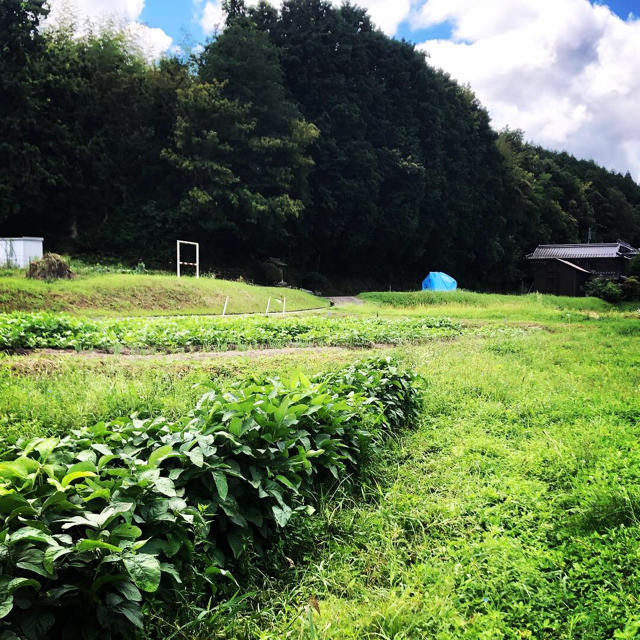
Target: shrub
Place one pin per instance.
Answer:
(96, 523)
(603, 288)
(314, 281)
(50, 267)
(266, 273)
(631, 288)
(633, 268)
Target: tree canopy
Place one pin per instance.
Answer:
(303, 133)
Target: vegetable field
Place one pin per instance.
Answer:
(42, 330)
(477, 478)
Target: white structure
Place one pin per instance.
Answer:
(195, 264)
(19, 252)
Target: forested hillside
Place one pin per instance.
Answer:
(304, 134)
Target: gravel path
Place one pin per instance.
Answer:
(340, 300)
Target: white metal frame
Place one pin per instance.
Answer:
(195, 264)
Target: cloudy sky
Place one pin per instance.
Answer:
(566, 72)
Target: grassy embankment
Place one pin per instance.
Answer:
(512, 510)
(144, 294)
(491, 307)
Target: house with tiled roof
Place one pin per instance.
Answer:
(563, 269)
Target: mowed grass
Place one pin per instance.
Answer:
(511, 509)
(145, 294)
(492, 307)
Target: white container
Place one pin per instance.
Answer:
(18, 252)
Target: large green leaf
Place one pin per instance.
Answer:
(220, 480)
(144, 570)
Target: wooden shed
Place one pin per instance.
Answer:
(563, 269)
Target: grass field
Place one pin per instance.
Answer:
(115, 294)
(509, 509)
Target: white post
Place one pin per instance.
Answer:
(179, 262)
(284, 305)
(268, 304)
(224, 311)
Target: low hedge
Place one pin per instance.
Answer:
(101, 522)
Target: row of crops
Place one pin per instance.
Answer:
(55, 331)
(122, 518)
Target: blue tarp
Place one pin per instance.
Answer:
(438, 281)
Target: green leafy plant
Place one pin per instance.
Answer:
(57, 331)
(603, 288)
(631, 288)
(98, 522)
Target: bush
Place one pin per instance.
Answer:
(266, 273)
(633, 268)
(631, 288)
(98, 522)
(314, 281)
(603, 288)
(50, 267)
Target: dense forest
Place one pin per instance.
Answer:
(303, 133)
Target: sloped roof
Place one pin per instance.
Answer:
(583, 251)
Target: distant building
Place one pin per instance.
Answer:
(18, 252)
(563, 269)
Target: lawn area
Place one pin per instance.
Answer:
(510, 508)
(117, 294)
(511, 511)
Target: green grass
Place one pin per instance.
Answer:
(488, 307)
(132, 294)
(44, 394)
(511, 510)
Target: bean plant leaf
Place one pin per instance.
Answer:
(282, 514)
(6, 605)
(76, 475)
(221, 484)
(144, 570)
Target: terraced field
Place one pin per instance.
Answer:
(416, 477)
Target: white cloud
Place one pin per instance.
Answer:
(386, 14)
(153, 42)
(565, 71)
(212, 17)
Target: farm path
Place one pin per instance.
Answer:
(339, 300)
(194, 355)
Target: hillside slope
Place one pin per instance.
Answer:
(125, 294)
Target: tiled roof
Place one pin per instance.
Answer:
(584, 251)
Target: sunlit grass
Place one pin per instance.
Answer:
(145, 294)
(511, 510)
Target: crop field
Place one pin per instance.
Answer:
(28, 331)
(463, 467)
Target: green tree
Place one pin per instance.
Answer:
(21, 52)
(235, 196)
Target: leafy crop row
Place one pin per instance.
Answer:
(101, 522)
(43, 330)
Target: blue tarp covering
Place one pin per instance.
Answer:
(438, 281)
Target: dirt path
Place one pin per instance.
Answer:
(339, 300)
(191, 355)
